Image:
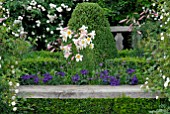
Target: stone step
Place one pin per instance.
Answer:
(82, 91)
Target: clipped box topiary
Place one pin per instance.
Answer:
(92, 16)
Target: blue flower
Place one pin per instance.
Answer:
(130, 71)
(76, 78)
(106, 79)
(84, 72)
(101, 64)
(104, 73)
(26, 77)
(36, 80)
(134, 80)
(61, 73)
(47, 77)
(114, 81)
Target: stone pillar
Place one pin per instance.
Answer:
(119, 41)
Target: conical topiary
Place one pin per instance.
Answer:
(92, 16)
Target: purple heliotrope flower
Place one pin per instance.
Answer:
(84, 72)
(36, 80)
(104, 73)
(130, 71)
(47, 77)
(101, 64)
(61, 73)
(134, 80)
(106, 79)
(114, 81)
(27, 76)
(75, 78)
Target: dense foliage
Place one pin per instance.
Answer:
(36, 15)
(90, 106)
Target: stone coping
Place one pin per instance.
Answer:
(82, 91)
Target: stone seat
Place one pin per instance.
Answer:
(83, 91)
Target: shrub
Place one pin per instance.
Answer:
(41, 61)
(159, 78)
(17, 48)
(39, 20)
(90, 106)
(43, 54)
(4, 89)
(126, 53)
(92, 16)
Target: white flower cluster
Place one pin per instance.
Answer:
(6, 12)
(81, 41)
(51, 18)
(13, 102)
(166, 17)
(13, 86)
(145, 84)
(20, 32)
(151, 13)
(34, 5)
(60, 8)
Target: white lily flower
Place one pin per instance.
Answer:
(83, 28)
(91, 46)
(78, 57)
(67, 54)
(92, 34)
(69, 33)
(88, 40)
(83, 43)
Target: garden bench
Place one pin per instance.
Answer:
(119, 37)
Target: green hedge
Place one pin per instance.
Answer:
(130, 61)
(127, 53)
(89, 106)
(41, 61)
(43, 54)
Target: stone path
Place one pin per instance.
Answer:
(83, 91)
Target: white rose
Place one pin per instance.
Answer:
(13, 103)
(15, 108)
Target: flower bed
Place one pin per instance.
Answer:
(116, 71)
